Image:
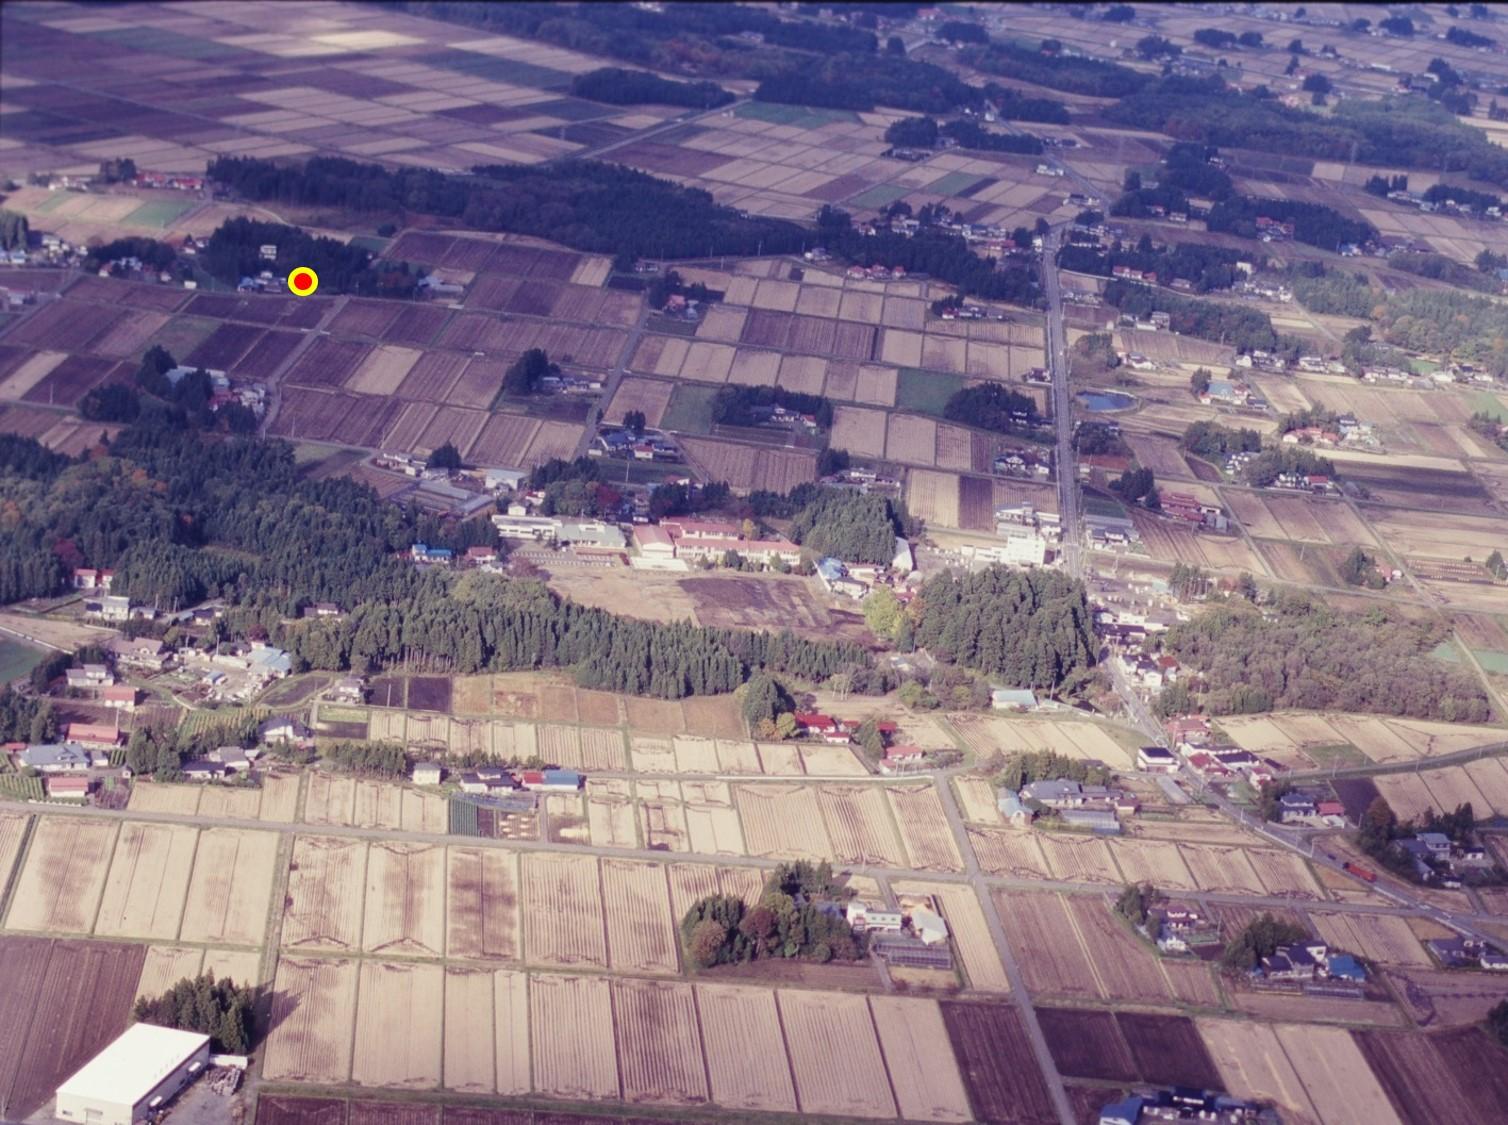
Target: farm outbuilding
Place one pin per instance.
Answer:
(134, 1076)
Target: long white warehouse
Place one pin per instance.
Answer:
(136, 1074)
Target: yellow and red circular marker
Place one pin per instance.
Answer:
(303, 281)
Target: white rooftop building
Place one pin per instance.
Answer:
(134, 1076)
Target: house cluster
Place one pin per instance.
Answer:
(1098, 808)
(914, 937)
(867, 481)
(1387, 373)
(172, 180)
(628, 446)
(1189, 509)
(1448, 205)
(1435, 857)
(1021, 463)
(1226, 392)
(1177, 928)
(1307, 963)
(494, 780)
(1319, 365)
(1184, 1103)
(221, 763)
(117, 608)
(1264, 290)
(98, 682)
(223, 391)
(967, 312)
(1028, 537)
(585, 537)
(235, 672)
(1273, 230)
(1314, 807)
(1195, 749)
(1262, 360)
(1467, 953)
(1321, 484)
(1142, 277)
(877, 272)
(53, 251)
(676, 544)
(1345, 431)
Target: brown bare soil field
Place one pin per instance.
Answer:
(654, 716)
(1335, 1075)
(911, 440)
(1078, 859)
(278, 1109)
(60, 1002)
(713, 716)
(933, 497)
(859, 825)
(782, 821)
(1383, 938)
(325, 882)
(1440, 998)
(1011, 852)
(923, 1072)
(405, 899)
(659, 1044)
(860, 431)
(1284, 873)
(279, 798)
(998, 1064)
(166, 965)
(228, 894)
(1043, 932)
(1415, 1077)
(924, 829)
(398, 1025)
(562, 918)
(63, 877)
(1253, 1064)
(1224, 869)
(482, 909)
(571, 1032)
(745, 1049)
(1152, 861)
(1127, 968)
(641, 934)
(312, 1002)
(599, 707)
(835, 1054)
(976, 799)
(503, 439)
(148, 877)
(12, 831)
(1167, 1050)
(1087, 1044)
(229, 802)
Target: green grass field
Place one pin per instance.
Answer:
(1340, 754)
(954, 183)
(803, 117)
(1484, 402)
(881, 195)
(182, 335)
(925, 392)
(54, 201)
(1492, 661)
(690, 409)
(159, 212)
(17, 659)
(372, 242)
(1446, 651)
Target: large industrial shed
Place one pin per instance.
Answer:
(134, 1076)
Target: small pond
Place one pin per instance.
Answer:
(1103, 402)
